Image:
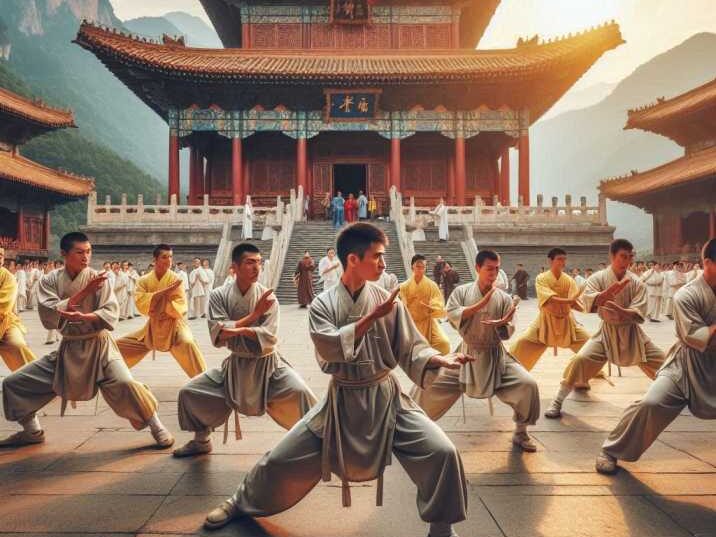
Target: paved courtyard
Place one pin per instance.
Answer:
(97, 476)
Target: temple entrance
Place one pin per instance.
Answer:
(349, 178)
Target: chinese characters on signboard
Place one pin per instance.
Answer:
(351, 105)
(350, 11)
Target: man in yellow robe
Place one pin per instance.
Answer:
(555, 326)
(424, 301)
(13, 348)
(160, 296)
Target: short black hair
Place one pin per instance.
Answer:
(357, 239)
(709, 250)
(69, 239)
(554, 252)
(161, 248)
(482, 255)
(620, 244)
(416, 258)
(240, 249)
(329, 249)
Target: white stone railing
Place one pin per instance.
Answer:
(479, 213)
(279, 246)
(405, 240)
(141, 213)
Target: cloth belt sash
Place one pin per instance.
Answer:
(332, 432)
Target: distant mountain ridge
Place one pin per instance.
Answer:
(572, 152)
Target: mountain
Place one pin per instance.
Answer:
(572, 152)
(70, 149)
(62, 73)
(198, 32)
(576, 99)
(153, 27)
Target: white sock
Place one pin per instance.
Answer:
(520, 428)
(440, 529)
(32, 425)
(564, 391)
(202, 436)
(154, 423)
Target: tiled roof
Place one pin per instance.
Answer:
(21, 170)
(348, 67)
(692, 167)
(34, 111)
(693, 101)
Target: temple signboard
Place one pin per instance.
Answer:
(351, 105)
(350, 11)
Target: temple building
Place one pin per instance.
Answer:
(28, 190)
(349, 95)
(681, 194)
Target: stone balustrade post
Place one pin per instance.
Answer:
(540, 200)
(158, 199)
(108, 200)
(123, 207)
(91, 207)
(173, 206)
(602, 209)
(140, 207)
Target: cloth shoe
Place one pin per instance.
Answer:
(23, 438)
(554, 411)
(193, 447)
(221, 516)
(606, 464)
(524, 442)
(163, 437)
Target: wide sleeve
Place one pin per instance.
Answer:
(176, 306)
(455, 307)
(333, 343)
(410, 348)
(591, 291)
(437, 303)
(639, 301)
(107, 308)
(218, 316)
(267, 330)
(143, 297)
(691, 327)
(49, 302)
(543, 290)
(8, 292)
(506, 331)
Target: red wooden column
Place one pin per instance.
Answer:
(523, 146)
(237, 171)
(712, 223)
(460, 175)
(46, 230)
(20, 224)
(301, 159)
(505, 177)
(395, 163)
(450, 200)
(174, 166)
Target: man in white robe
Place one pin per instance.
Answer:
(21, 278)
(673, 281)
(121, 285)
(247, 228)
(132, 276)
(330, 269)
(482, 314)
(441, 212)
(360, 334)
(687, 379)
(184, 277)
(254, 379)
(210, 285)
(618, 296)
(198, 284)
(78, 302)
(654, 280)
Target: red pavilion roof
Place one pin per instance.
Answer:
(22, 170)
(34, 111)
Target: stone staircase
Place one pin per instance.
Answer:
(451, 251)
(317, 237)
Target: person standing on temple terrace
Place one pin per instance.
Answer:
(304, 278)
(254, 379)
(120, 289)
(522, 278)
(33, 283)
(22, 292)
(198, 283)
(482, 314)
(337, 206)
(330, 269)
(160, 296)
(372, 208)
(438, 270)
(654, 280)
(555, 326)
(350, 208)
(361, 333)
(441, 212)
(247, 228)
(450, 279)
(619, 298)
(53, 335)
(133, 276)
(687, 378)
(362, 206)
(424, 301)
(206, 265)
(13, 348)
(78, 302)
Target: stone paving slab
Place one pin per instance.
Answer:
(97, 476)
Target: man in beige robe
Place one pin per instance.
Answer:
(618, 296)
(78, 302)
(654, 280)
(121, 289)
(482, 313)
(198, 285)
(254, 379)
(555, 325)
(360, 334)
(688, 377)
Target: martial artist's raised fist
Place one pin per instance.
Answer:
(384, 308)
(264, 303)
(450, 361)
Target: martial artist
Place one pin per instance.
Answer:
(121, 289)
(654, 280)
(13, 348)
(198, 285)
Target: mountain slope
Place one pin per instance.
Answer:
(572, 152)
(199, 33)
(153, 27)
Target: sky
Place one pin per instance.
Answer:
(649, 27)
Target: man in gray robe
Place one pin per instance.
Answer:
(254, 378)
(79, 302)
(688, 377)
(361, 334)
(483, 313)
(619, 297)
